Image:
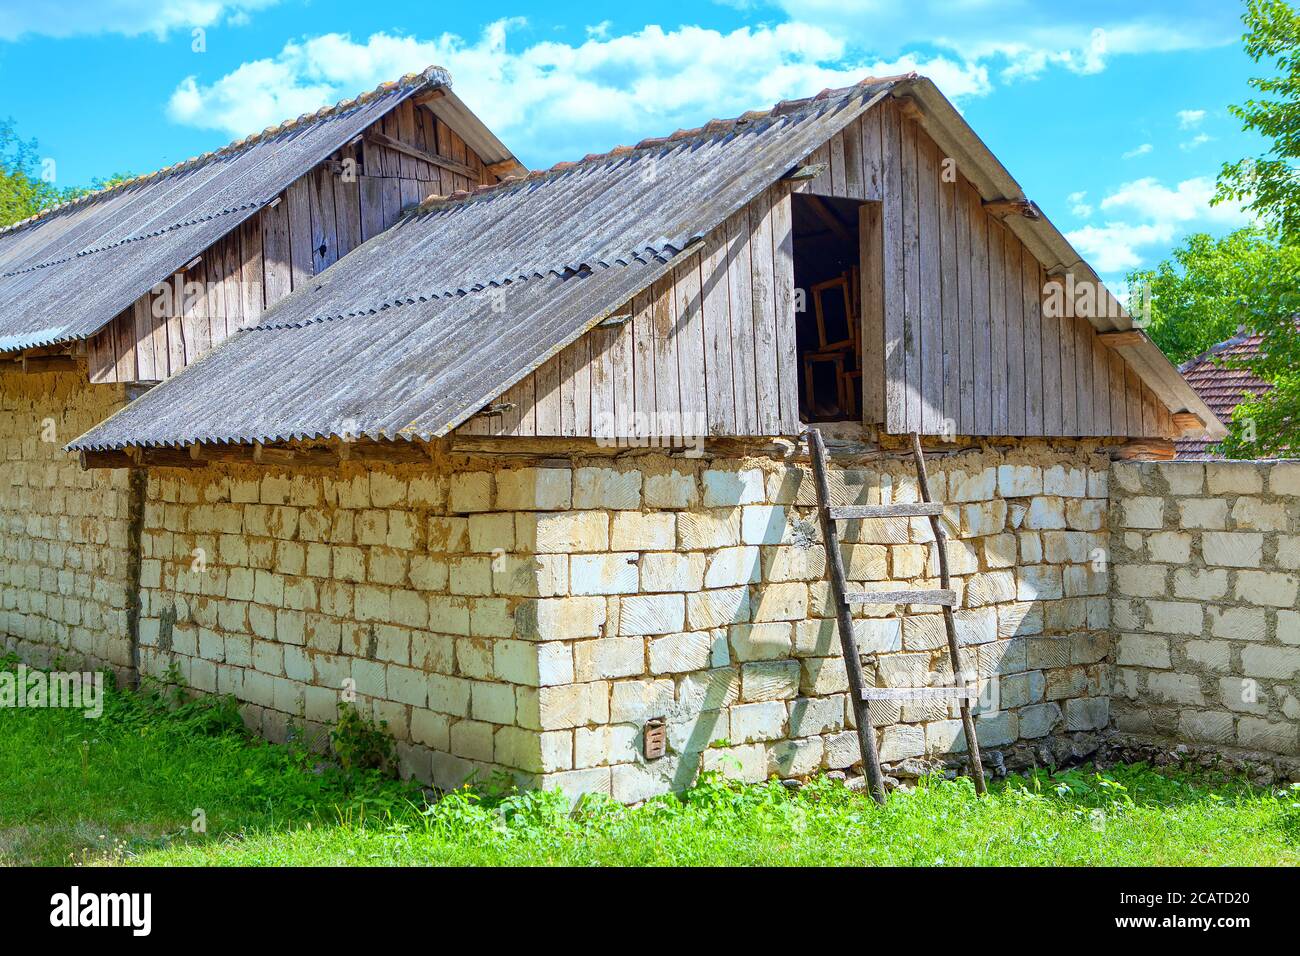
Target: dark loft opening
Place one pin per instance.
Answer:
(828, 276)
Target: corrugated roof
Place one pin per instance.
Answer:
(420, 327)
(1221, 384)
(67, 272)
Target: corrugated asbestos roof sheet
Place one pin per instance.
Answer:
(67, 272)
(1221, 385)
(423, 325)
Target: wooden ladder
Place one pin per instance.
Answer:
(945, 597)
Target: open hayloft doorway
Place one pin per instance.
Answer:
(828, 322)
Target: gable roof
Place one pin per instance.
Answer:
(1216, 377)
(65, 273)
(419, 328)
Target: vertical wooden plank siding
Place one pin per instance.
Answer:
(1031, 303)
(1013, 302)
(741, 298)
(324, 215)
(913, 353)
(717, 335)
(997, 329)
(893, 286)
(783, 303)
(872, 259)
(767, 388)
(981, 325)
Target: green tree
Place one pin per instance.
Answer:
(24, 191)
(1211, 287)
(1268, 186)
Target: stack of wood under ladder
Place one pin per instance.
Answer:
(945, 597)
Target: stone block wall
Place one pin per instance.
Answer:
(65, 548)
(1206, 575)
(532, 619)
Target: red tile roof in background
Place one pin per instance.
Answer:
(1220, 386)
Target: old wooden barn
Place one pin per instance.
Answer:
(526, 473)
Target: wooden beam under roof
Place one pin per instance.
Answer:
(379, 139)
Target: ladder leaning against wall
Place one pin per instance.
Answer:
(944, 596)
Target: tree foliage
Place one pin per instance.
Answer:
(1212, 287)
(24, 189)
(1248, 279)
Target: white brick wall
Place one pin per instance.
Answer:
(1207, 573)
(63, 531)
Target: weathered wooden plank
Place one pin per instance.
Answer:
(250, 271)
(101, 361)
(142, 327)
(347, 212)
(298, 198)
(741, 298)
(965, 412)
(370, 192)
(1051, 359)
(997, 328)
(913, 341)
(668, 401)
(324, 227)
(852, 139)
(916, 509)
(938, 596)
(277, 268)
(233, 288)
(1083, 388)
(1100, 387)
(894, 284)
(767, 384)
(198, 314)
(1015, 306)
(1133, 399)
(820, 185)
(1118, 394)
(920, 693)
(787, 358)
(839, 180)
(177, 348)
(981, 326)
(1031, 304)
(215, 291)
(624, 395)
(871, 154)
(643, 366)
(1069, 368)
(602, 343)
(930, 343)
(717, 334)
(872, 308)
(547, 416)
(949, 302)
(158, 326)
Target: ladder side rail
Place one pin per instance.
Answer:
(844, 618)
(950, 625)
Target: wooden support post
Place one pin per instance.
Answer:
(1114, 340)
(1144, 449)
(844, 618)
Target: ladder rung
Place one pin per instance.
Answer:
(946, 598)
(919, 693)
(918, 509)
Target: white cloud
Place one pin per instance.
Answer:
(1138, 151)
(1077, 205)
(1187, 201)
(1113, 248)
(20, 18)
(1148, 213)
(1190, 119)
(1198, 140)
(1024, 37)
(552, 100)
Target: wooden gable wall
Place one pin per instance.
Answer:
(709, 349)
(952, 306)
(954, 327)
(324, 215)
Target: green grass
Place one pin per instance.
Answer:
(122, 790)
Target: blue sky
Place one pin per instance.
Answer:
(1112, 115)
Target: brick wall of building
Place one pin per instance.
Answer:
(533, 618)
(1205, 585)
(64, 532)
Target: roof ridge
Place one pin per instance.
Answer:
(710, 127)
(433, 76)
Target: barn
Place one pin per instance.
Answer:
(527, 474)
(108, 295)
